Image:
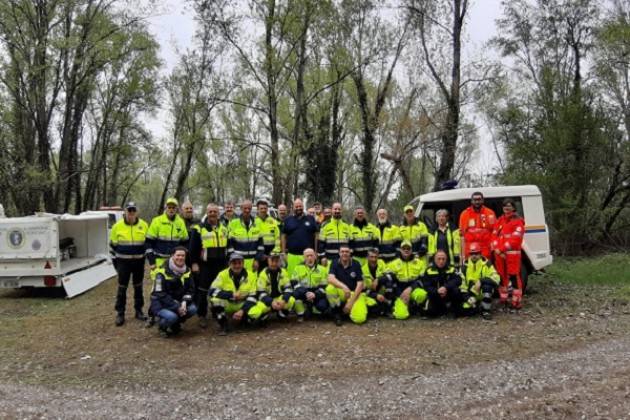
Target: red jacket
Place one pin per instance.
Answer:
(477, 226)
(508, 233)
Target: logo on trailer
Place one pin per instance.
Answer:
(16, 239)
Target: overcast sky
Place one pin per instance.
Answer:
(174, 27)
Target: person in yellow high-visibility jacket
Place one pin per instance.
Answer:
(480, 281)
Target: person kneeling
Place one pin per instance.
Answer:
(274, 290)
(480, 282)
(172, 294)
(233, 293)
(442, 284)
(345, 287)
(309, 281)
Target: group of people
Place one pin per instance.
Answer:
(248, 268)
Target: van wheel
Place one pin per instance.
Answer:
(524, 276)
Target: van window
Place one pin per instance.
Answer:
(455, 208)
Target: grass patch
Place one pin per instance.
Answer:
(607, 270)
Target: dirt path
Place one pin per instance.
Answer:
(588, 382)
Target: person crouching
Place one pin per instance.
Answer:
(172, 294)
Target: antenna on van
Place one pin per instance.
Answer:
(451, 184)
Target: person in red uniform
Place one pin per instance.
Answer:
(476, 224)
(507, 239)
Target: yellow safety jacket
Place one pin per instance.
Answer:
(128, 241)
(454, 244)
(417, 234)
(407, 271)
(362, 238)
(332, 236)
(270, 232)
(475, 271)
(165, 234)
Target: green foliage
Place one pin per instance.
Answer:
(605, 270)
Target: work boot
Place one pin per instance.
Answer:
(283, 314)
(150, 322)
(120, 319)
(223, 325)
(203, 322)
(300, 319)
(517, 299)
(338, 320)
(164, 331)
(487, 315)
(140, 316)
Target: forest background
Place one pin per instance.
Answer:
(365, 102)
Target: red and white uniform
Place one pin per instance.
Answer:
(507, 239)
(477, 226)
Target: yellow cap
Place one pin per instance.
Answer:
(405, 243)
(172, 200)
(407, 208)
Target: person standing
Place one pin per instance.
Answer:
(476, 224)
(298, 234)
(363, 236)
(245, 237)
(445, 237)
(166, 231)
(228, 213)
(269, 230)
(282, 214)
(332, 236)
(414, 231)
(507, 240)
(127, 242)
(208, 253)
(389, 237)
(188, 215)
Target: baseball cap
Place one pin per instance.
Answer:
(173, 201)
(406, 244)
(131, 205)
(236, 256)
(407, 208)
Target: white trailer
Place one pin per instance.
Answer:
(48, 250)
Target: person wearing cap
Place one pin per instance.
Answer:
(363, 236)
(127, 242)
(208, 253)
(274, 290)
(172, 293)
(389, 237)
(166, 231)
(373, 271)
(476, 224)
(403, 288)
(299, 233)
(507, 240)
(233, 293)
(245, 237)
(445, 236)
(332, 236)
(480, 282)
(309, 281)
(269, 230)
(345, 288)
(441, 283)
(414, 231)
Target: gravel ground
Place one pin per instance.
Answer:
(565, 356)
(588, 382)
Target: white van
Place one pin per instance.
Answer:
(529, 204)
(49, 250)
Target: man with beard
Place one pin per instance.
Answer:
(476, 224)
(389, 237)
(332, 236)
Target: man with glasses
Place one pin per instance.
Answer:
(476, 224)
(127, 241)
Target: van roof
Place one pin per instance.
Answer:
(488, 192)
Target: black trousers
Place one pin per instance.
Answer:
(438, 306)
(126, 270)
(208, 271)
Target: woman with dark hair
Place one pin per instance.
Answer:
(507, 239)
